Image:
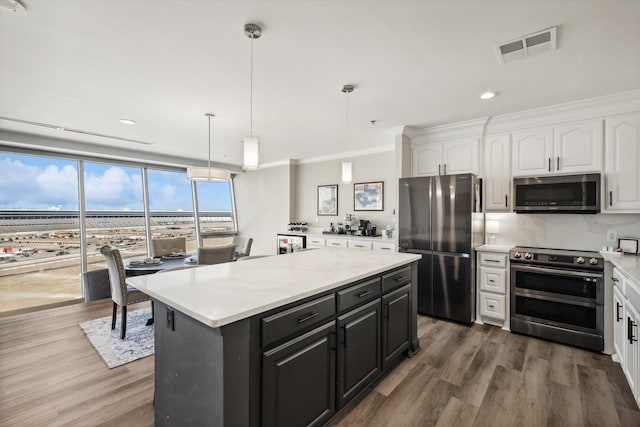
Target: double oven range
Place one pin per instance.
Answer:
(558, 295)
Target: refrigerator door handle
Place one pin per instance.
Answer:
(455, 254)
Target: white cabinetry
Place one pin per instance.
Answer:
(336, 243)
(359, 244)
(626, 321)
(316, 242)
(384, 246)
(445, 158)
(622, 170)
(493, 283)
(497, 171)
(564, 149)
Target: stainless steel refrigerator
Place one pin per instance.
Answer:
(440, 217)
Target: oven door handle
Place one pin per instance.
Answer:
(564, 299)
(556, 272)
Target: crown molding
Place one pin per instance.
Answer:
(348, 154)
(449, 131)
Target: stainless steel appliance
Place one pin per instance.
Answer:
(558, 295)
(557, 194)
(440, 218)
(290, 243)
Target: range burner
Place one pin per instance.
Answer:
(584, 260)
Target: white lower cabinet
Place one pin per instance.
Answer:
(336, 243)
(493, 288)
(626, 321)
(360, 244)
(384, 246)
(316, 242)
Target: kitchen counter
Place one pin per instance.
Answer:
(495, 248)
(628, 264)
(217, 295)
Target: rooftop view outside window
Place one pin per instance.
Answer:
(40, 257)
(39, 231)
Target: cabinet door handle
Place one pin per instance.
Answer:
(615, 279)
(308, 317)
(492, 281)
(491, 260)
(610, 197)
(364, 294)
(445, 168)
(630, 326)
(492, 306)
(549, 164)
(439, 166)
(618, 312)
(506, 198)
(557, 163)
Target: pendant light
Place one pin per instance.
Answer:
(208, 173)
(251, 142)
(347, 167)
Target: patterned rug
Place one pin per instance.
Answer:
(137, 344)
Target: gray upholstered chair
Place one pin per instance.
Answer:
(243, 246)
(167, 246)
(216, 254)
(121, 293)
(96, 284)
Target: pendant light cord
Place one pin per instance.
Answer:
(251, 91)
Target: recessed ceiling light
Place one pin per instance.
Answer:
(128, 121)
(488, 95)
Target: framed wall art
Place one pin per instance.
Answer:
(368, 196)
(328, 199)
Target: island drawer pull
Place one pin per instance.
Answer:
(307, 317)
(400, 279)
(364, 294)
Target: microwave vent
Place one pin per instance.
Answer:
(527, 45)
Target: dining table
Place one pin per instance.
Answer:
(137, 267)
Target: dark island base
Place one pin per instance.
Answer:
(257, 372)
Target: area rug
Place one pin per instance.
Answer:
(137, 344)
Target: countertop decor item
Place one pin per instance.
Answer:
(368, 196)
(328, 199)
(629, 245)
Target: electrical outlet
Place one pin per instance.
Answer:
(612, 236)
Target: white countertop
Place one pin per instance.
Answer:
(220, 294)
(337, 236)
(629, 264)
(495, 248)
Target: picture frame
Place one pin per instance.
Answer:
(328, 200)
(368, 196)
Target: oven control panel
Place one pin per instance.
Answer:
(557, 257)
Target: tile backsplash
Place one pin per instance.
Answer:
(563, 231)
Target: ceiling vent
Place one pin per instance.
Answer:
(528, 45)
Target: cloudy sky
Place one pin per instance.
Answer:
(33, 182)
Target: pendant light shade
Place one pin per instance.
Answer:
(347, 172)
(251, 143)
(347, 167)
(208, 173)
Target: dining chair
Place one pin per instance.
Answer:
(96, 284)
(243, 246)
(216, 254)
(169, 245)
(121, 293)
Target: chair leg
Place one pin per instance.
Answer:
(113, 316)
(123, 325)
(150, 320)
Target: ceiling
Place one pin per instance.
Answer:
(164, 63)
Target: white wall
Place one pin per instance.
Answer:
(263, 204)
(564, 231)
(368, 168)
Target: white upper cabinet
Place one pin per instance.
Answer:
(578, 147)
(445, 158)
(532, 151)
(565, 149)
(497, 171)
(622, 169)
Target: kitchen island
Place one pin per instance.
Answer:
(283, 340)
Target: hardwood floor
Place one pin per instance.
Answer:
(463, 376)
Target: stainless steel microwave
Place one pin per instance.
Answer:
(557, 194)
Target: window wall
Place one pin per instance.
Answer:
(40, 217)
